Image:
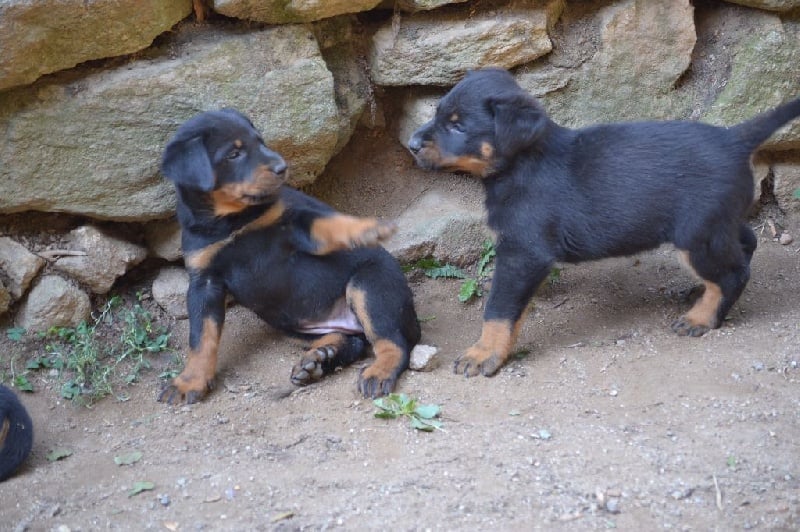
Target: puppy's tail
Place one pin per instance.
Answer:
(16, 433)
(758, 129)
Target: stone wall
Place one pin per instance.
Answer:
(91, 91)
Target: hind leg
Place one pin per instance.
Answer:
(384, 306)
(724, 267)
(326, 354)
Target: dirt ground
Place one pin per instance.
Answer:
(608, 420)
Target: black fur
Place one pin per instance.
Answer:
(559, 194)
(16, 433)
(288, 257)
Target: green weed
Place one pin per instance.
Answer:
(473, 286)
(395, 405)
(97, 357)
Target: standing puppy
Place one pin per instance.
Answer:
(557, 194)
(16, 433)
(301, 266)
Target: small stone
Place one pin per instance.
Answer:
(612, 505)
(786, 238)
(423, 358)
(164, 499)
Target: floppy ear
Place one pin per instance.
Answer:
(518, 122)
(186, 162)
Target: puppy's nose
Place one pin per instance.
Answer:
(415, 143)
(279, 167)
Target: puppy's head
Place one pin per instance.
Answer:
(480, 125)
(221, 155)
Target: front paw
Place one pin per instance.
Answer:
(373, 233)
(685, 327)
(374, 383)
(185, 389)
(478, 360)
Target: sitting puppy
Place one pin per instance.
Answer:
(16, 433)
(301, 266)
(557, 194)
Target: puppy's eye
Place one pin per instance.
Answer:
(456, 127)
(235, 153)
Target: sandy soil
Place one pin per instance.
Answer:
(607, 420)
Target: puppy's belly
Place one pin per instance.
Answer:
(341, 319)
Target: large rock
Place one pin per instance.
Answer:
(89, 142)
(53, 302)
(106, 258)
(420, 5)
(771, 5)
(437, 226)
(5, 299)
(285, 11)
(642, 49)
(787, 182)
(765, 72)
(438, 47)
(339, 44)
(18, 265)
(163, 239)
(42, 36)
(169, 291)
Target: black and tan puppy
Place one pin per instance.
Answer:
(16, 433)
(301, 266)
(557, 194)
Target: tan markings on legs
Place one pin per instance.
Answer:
(331, 339)
(4, 431)
(202, 258)
(490, 352)
(357, 299)
(388, 356)
(340, 232)
(201, 364)
(704, 312)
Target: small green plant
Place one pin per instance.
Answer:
(15, 334)
(472, 287)
(435, 269)
(554, 276)
(396, 405)
(796, 194)
(94, 357)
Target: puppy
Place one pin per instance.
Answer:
(16, 433)
(557, 194)
(302, 267)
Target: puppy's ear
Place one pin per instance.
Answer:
(186, 163)
(519, 120)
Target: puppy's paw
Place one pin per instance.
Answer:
(310, 369)
(185, 389)
(685, 327)
(341, 232)
(372, 233)
(478, 361)
(373, 382)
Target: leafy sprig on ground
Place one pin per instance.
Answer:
(395, 405)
